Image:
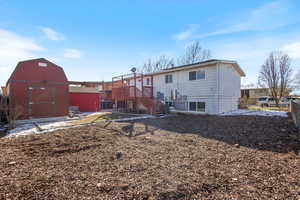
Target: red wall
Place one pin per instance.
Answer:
(50, 98)
(87, 102)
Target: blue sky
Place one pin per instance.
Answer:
(95, 40)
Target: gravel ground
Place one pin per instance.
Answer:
(181, 157)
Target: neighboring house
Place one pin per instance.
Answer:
(254, 92)
(37, 88)
(208, 87)
(251, 95)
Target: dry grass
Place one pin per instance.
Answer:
(102, 117)
(183, 157)
(271, 108)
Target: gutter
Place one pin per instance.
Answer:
(218, 86)
(205, 64)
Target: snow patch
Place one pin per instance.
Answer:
(133, 118)
(255, 112)
(27, 129)
(49, 126)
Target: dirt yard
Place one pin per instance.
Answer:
(181, 157)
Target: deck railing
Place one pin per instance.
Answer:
(131, 92)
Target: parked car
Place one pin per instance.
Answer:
(266, 101)
(270, 101)
(285, 101)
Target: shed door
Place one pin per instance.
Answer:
(41, 101)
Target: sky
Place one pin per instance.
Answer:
(96, 40)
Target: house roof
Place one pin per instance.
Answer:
(253, 88)
(203, 64)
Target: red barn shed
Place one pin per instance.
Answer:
(38, 88)
(87, 99)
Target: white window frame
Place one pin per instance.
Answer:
(197, 106)
(197, 71)
(168, 79)
(42, 64)
(148, 81)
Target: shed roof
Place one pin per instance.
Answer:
(26, 70)
(73, 89)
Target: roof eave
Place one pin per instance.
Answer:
(235, 64)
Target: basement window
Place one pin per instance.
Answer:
(197, 106)
(40, 64)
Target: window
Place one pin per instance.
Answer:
(197, 106)
(201, 106)
(148, 81)
(262, 99)
(271, 99)
(169, 103)
(169, 78)
(42, 64)
(200, 75)
(197, 75)
(192, 75)
(193, 106)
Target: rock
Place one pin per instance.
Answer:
(118, 155)
(99, 184)
(283, 130)
(12, 163)
(237, 145)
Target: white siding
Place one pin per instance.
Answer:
(220, 89)
(181, 82)
(230, 84)
(195, 90)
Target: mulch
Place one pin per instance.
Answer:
(180, 157)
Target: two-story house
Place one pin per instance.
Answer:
(210, 87)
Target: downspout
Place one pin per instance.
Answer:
(218, 87)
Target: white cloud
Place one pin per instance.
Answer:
(52, 34)
(292, 49)
(72, 53)
(14, 48)
(267, 17)
(251, 52)
(187, 33)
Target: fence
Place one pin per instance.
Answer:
(295, 111)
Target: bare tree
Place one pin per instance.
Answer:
(194, 53)
(151, 65)
(275, 74)
(297, 81)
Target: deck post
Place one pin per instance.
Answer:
(134, 85)
(142, 83)
(151, 86)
